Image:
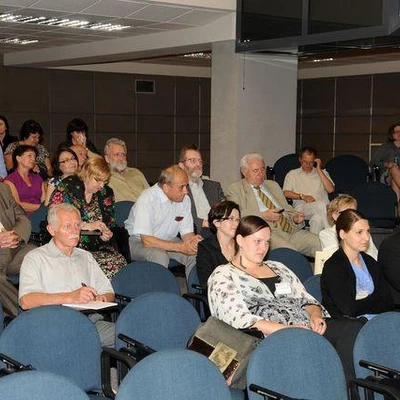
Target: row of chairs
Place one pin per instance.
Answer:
(289, 364)
(351, 175)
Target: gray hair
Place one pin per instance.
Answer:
(112, 141)
(168, 174)
(52, 218)
(244, 162)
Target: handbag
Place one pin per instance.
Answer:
(227, 347)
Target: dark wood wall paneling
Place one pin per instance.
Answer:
(154, 126)
(347, 115)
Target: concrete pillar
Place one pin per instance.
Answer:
(253, 108)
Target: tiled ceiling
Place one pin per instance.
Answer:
(142, 17)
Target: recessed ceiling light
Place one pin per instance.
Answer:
(204, 56)
(18, 41)
(62, 22)
(319, 60)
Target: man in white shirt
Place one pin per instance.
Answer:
(158, 216)
(308, 187)
(59, 272)
(126, 182)
(203, 193)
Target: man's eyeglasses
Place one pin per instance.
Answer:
(194, 160)
(67, 160)
(231, 219)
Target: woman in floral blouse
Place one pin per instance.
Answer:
(89, 193)
(248, 292)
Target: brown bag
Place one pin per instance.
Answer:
(227, 347)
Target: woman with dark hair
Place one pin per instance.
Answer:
(77, 131)
(31, 134)
(219, 247)
(351, 283)
(26, 187)
(64, 163)
(5, 137)
(250, 292)
(89, 193)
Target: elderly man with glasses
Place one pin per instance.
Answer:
(203, 193)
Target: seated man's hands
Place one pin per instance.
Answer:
(9, 240)
(190, 245)
(84, 294)
(271, 215)
(298, 218)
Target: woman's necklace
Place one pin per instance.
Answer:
(228, 251)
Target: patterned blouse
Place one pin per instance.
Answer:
(241, 300)
(72, 190)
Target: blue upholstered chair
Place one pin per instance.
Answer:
(35, 385)
(294, 260)
(378, 343)
(140, 277)
(56, 339)
(160, 320)
(283, 166)
(122, 209)
(174, 374)
(296, 363)
(313, 286)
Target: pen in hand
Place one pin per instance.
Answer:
(84, 285)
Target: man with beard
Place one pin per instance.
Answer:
(203, 193)
(127, 183)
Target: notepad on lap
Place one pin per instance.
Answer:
(91, 305)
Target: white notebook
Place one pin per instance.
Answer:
(91, 305)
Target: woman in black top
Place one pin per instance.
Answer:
(352, 285)
(219, 247)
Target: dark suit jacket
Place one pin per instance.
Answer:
(338, 286)
(389, 263)
(213, 192)
(209, 257)
(12, 216)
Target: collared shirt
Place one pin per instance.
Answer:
(200, 200)
(48, 270)
(155, 215)
(307, 183)
(262, 207)
(129, 185)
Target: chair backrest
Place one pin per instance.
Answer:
(56, 339)
(140, 277)
(37, 385)
(1, 318)
(122, 209)
(377, 202)
(284, 165)
(293, 260)
(174, 374)
(297, 363)
(378, 341)
(37, 217)
(160, 320)
(313, 286)
(192, 279)
(347, 171)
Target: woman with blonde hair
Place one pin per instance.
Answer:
(328, 236)
(89, 192)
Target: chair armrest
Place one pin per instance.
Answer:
(379, 369)
(107, 355)
(376, 387)
(197, 300)
(135, 349)
(267, 393)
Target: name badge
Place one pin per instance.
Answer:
(178, 218)
(283, 288)
(362, 294)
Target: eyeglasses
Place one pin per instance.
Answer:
(194, 160)
(231, 219)
(67, 160)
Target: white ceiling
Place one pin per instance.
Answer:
(144, 17)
